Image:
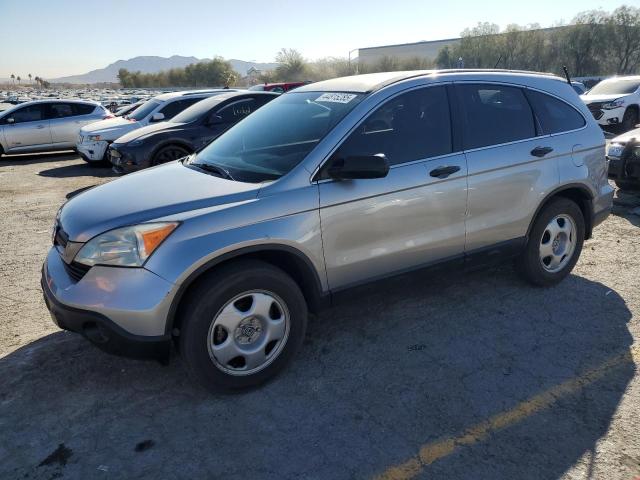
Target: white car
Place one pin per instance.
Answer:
(615, 102)
(623, 155)
(94, 139)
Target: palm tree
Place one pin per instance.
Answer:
(29, 78)
(37, 79)
(13, 78)
(18, 78)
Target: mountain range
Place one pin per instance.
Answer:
(151, 64)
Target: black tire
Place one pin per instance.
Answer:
(208, 298)
(628, 185)
(629, 120)
(529, 264)
(169, 154)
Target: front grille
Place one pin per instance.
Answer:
(596, 109)
(60, 241)
(76, 270)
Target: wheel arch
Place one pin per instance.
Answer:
(292, 261)
(170, 142)
(576, 192)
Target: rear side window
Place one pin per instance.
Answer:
(60, 110)
(555, 116)
(33, 113)
(494, 114)
(82, 108)
(413, 126)
(176, 107)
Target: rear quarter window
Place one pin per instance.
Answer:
(554, 115)
(83, 108)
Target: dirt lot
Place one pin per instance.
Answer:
(443, 376)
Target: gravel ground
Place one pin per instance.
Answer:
(438, 376)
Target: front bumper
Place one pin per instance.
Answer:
(92, 151)
(128, 159)
(120, 310)
(606, 117)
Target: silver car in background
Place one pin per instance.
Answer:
(44, 125)
(329, 186)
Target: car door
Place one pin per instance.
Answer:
(413, 217)
(64, 124)
(27, 128)
(511, 165)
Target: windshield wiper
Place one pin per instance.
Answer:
(217, 169)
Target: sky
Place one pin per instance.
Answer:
(68, 37)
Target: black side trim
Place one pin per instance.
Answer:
(319, 300)
(481, 257)
(103, 332)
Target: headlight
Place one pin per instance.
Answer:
(94, 138)
(125, 247)
(615, 150)
(615, 104)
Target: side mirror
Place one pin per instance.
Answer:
(157, 117)
(359, 167)
(11, 120)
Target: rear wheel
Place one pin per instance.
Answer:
(169, 154)
(554, 244)
(242, 325)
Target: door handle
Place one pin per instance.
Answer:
(444, 172)
(40, 127)
(541, 151)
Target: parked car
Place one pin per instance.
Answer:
(185, 133)
(579, 87)
(615, 102)
(128, 109)
(623, 153)
(93, 141)
(46, 124)
(332, 185)
(277, 87)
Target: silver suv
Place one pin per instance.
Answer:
(334, 184)
(44, 125)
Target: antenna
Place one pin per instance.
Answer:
(566, 74)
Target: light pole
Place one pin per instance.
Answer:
(350, 52)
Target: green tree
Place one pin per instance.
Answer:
(292, 65)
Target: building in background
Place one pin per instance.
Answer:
(427, 50)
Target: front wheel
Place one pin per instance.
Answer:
(242, 325)
(554, 243)
(169, 154)
(629, 120)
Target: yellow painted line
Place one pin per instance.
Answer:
(434, 451)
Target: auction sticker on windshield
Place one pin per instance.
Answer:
(336, 97)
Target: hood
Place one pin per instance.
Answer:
(150, 194)
(149, 129)
(601, 98)
(110, 129)
(625, 137)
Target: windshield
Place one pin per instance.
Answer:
(141, 112)
(615, 87)
(195, 111)
(270, 142)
